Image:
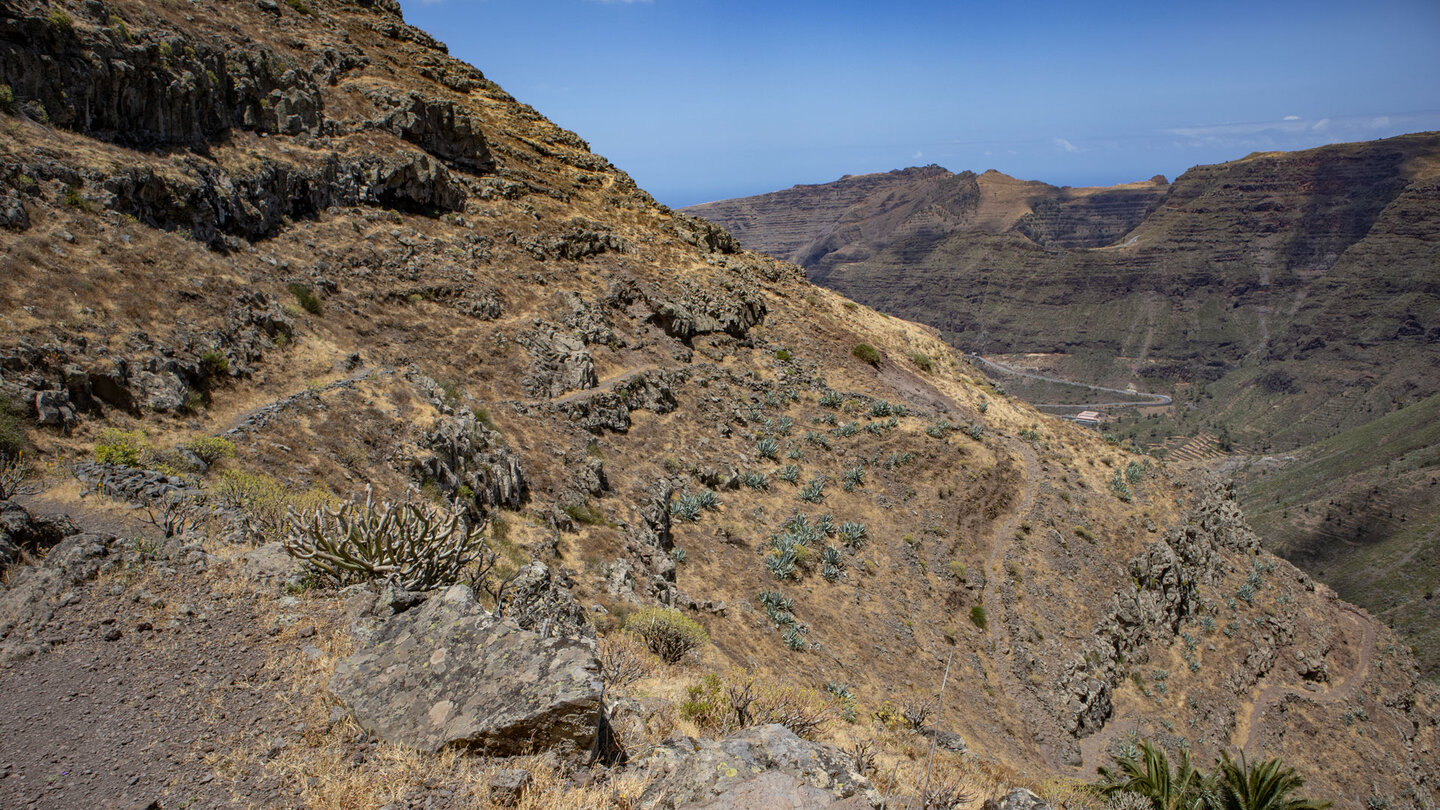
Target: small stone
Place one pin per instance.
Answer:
(507, 786)
(113, 634)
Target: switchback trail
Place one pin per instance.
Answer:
(1273, 694)
(1154, 399)
(1250, 717)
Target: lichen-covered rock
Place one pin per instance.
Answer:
(448, 674)
(145, 92)
(581, 239)
(1017, 799)
(1166, 576)
(214, 205)
(764, 766)
(732, 309)
(131, 483)
(29, 602)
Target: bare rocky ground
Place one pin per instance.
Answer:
(148, 679)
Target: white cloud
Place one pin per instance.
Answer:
(1066, 145)
(1293, 131)
(918, 154)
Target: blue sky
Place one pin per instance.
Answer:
(708, 99)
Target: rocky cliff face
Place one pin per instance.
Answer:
(415, 283)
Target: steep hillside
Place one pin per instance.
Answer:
(1280, 299)
(1359, 510)
(302, 229)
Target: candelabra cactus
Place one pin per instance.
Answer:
(415, 545)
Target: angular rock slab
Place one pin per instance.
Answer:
(450, 674)
(764, 766)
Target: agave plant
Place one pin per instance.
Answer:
(814, 491)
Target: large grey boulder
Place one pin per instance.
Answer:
(764, 766)
(449, 673)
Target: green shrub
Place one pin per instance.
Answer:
(794, 639)
(938, 429)
(1120, 487)
(7, 99)
(585, 514)
(210, 448)
(783, 564)
(668, 633)
(783, 356)
(126, 448)
(978, 617)
(685, 508)
(193, 401)
(215, 363)
(867, 353)
(266, 502)
(306, 298)
(719, 706)
(299, 6)
(922, 361)
(74, 199)
(60, 19)
(12, 430)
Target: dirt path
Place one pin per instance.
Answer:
(1154, 399)
(1000, 646)
(607, 384)
(1253, 727)
(260, 416)
(159, 684)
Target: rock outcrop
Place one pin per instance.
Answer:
(471, 463)
(22, 533)
(1166, 577)
(448, 674)
(762, 766)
